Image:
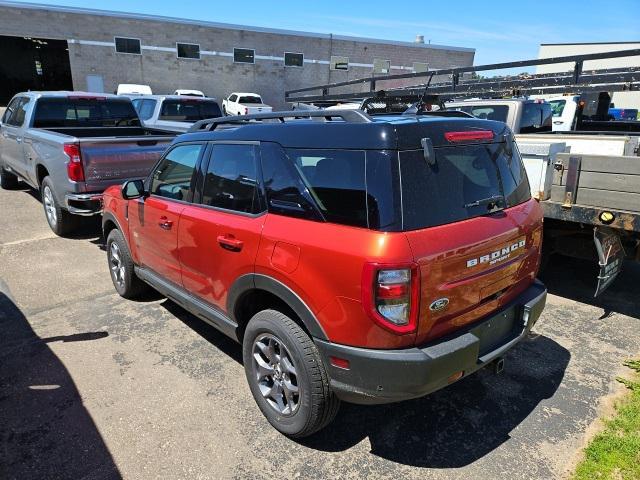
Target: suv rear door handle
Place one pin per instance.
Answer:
(165, 223)
(229, 242)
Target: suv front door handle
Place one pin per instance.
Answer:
(165, 223)
(229, 242)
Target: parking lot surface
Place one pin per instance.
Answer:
(97, 387)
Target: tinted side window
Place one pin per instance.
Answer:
(172, 178)
(383, 191)
(18, 117)
(10, 109)
(17, 113)
(145, 109)
(336, 180)
(487, 112)
(286, 193)
(233, 98)
(536, 117)
(231, 181)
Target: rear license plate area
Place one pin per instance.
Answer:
(498, 330)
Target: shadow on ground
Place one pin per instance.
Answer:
(576, 279)
(448, 429)
(45, 431)
(459, 424)
(89, 228)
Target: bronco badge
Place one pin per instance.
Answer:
(439, 304)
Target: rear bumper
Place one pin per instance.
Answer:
(385, 376)
(84, 204)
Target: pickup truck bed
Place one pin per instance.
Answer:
(72, 146)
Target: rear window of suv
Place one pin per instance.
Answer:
(447, 192)
(188, 110)
(84, 112)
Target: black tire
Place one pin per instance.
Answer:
(316, 404)
(8, 181)
(224, 111)
(60, 220)
(123, 275)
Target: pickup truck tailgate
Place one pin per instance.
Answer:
(108, 161)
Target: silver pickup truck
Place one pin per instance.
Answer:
(71, 146)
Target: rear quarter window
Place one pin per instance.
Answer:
(351, 187)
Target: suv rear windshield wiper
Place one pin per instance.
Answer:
(491, 202)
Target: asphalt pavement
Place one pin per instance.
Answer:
(93, 386)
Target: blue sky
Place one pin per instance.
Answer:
(499, 30)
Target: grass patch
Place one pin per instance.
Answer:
(615, 452)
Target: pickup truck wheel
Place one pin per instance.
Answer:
(123, 276)
(286, 375)
(8, 181)
(224, 110)
(61, 221)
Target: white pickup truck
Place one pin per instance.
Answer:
(239, 103)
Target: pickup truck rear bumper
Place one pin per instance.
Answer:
(385, 376)
(84, 204)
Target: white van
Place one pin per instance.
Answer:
(132, 89)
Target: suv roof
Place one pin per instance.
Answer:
(186, 98)
(381, 133)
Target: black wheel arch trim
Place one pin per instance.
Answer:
(252, 281)
(109, 217)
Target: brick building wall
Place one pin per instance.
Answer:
(90, 35)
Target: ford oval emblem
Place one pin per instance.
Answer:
(439, 304)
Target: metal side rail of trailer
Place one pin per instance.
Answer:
(596, 195)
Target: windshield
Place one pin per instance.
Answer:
(557, 107)
(250, 100)
(84, 112)
(189, 110)
(487, 112)
(460, 183)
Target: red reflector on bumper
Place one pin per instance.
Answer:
(339, 362)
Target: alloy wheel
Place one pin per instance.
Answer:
(50, 206)
(116, 264)
(276, 374)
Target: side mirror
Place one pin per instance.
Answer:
(132, 189)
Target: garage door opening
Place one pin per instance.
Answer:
(28, 63)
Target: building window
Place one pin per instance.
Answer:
(188, 50)
(293, 59)
(244, 55)
(381, 67)
(127, 45)
(419, 67)
(339, 63)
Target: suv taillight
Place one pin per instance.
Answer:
(246, 111)
(391, 296)
(75, 171)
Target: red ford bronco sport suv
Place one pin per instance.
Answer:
(357, 258)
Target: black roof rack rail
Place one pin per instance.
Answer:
(350, 116)
(452, 83)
